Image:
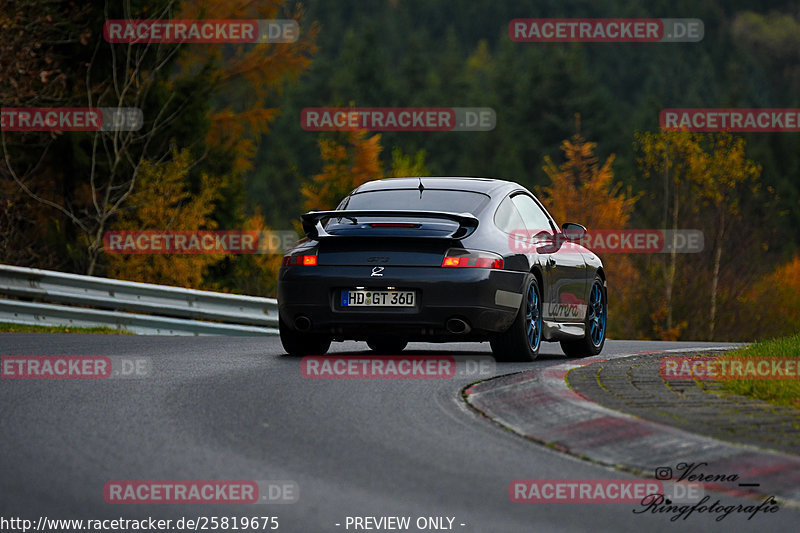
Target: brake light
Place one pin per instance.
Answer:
(393, 225)
(291, 260)
(472, 259)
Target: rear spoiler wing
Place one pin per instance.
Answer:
(312, 221)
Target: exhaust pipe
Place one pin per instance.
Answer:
(458, 326)
(302, 323)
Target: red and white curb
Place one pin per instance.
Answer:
(539, 405)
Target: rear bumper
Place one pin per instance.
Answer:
(488, 300)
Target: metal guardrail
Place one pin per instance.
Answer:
(92, 301)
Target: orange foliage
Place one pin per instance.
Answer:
(161, 202)
(772, 307)
(257, 71)
(583, 191)
(346, 165)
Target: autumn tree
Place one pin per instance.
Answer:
(37, 66)
(348, 160)
(217, 100)
(162, 202)
(724, 176)
(705, 177)
(583, 190)
(771, 307)
(255, 274)
(244, 78)
(101, 166)
(669, 158)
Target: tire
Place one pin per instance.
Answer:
(298, 343)
(521, 342)
(596, 324)
(387, 345)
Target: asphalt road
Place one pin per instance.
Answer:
(236, 409)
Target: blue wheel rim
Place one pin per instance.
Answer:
(533, 317)
(597, 315)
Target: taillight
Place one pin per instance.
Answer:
(472, 259)
(292, 260)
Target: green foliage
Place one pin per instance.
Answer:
(406, 165)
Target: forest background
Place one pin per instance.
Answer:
(222, 146)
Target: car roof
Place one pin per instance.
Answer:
(473, 184)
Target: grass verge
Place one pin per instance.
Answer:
(779, 392)
(23, 328)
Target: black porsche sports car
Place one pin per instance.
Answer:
(441, 260)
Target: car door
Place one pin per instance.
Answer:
(564, 266)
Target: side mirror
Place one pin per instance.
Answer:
(548, 242)
(572, 231)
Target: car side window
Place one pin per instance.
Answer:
(533, 216)
(507, 217)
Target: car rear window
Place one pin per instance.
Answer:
(410, 199)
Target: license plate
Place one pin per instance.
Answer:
(364, 298)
